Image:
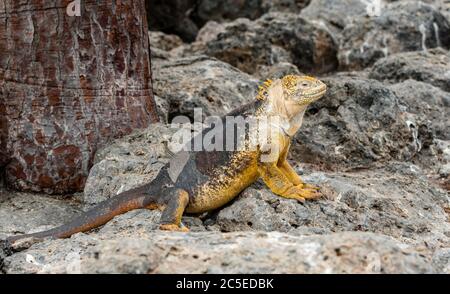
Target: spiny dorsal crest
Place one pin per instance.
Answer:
(290, 83)
(262, 93)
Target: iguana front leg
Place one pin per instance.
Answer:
(280, 184)
(292, 175)
(290, 172)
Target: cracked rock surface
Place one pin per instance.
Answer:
(215, 252)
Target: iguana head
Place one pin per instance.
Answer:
(302, 90)
(288, 98)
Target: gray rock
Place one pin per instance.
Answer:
(442, 151)
(311, 48)
(408, 207)
(162, 108)
(444, 171)
(359, 122)
(164, 41)
(276, 71)
(431, 109)
(441, 5)
(143, 220)
(335, 14)
(252, 211)
(293, 6)
(431, 67)
(248, 44)
(27, 213)
(156, 53)
(184, 18)
(128, 163)
(236, 43)
(226, 10)
(402, 26)
(215, 252)
(441, 261)
(172, 17)
(201, 82)
(3, 255)
(434, 128)
(430, 102)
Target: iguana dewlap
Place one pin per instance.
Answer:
(210, 179)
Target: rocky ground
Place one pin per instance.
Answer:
(378, 144)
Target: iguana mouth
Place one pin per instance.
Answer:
(314, 95)
(319, 92)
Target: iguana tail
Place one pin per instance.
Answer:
(97, 216)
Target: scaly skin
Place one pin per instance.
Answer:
(210, 179)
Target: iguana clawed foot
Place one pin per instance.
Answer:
(302, 192)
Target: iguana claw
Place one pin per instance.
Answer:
(173, 228)
(301, 194)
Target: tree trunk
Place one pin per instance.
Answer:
(68, 84)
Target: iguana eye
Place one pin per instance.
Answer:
(305, 84)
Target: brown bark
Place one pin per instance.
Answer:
(69, 84)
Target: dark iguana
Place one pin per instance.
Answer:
(209, 179)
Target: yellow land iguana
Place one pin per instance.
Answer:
(210, 179)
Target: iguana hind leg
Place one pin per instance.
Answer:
(176, 202)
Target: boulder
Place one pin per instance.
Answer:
(431, 107)
(227, 10)
(408, 208)
(431, 67)
(172, 17)
(311, 48)
(273, 38)
(293, 6)
(236, 43)
(358, 123)
(162, 109)
(201, 82)
(401, 26)
(163, 41)
(335, 15)
(427, 101)
(25, 213)
(144, 252)
(421, 80)
(128, 163)
(276, 71)
(441, 261)
(184, 18)
(442, 152)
